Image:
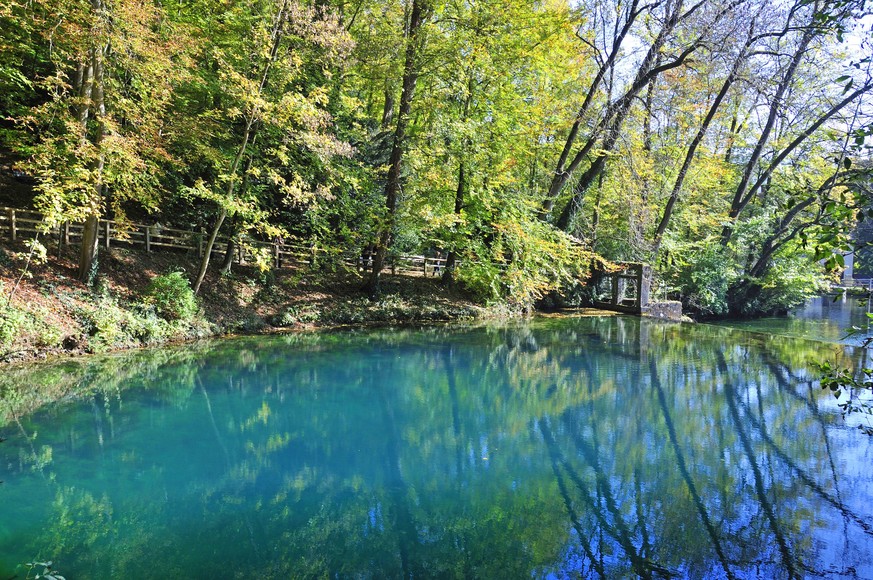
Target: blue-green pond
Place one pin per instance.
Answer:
(838, 319)
(553, 448)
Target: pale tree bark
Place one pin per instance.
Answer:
(414, 43)
(618, 111)
(695, 143)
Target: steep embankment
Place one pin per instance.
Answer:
(51, 313)
(45, 311)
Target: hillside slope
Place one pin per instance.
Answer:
(51, 313)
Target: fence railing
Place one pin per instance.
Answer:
(857, 282)
(18, 224)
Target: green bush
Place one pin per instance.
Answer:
(23, 326)
(106, 324)
(147, 327)
(294, 315)
(703, 272)
(172, 296)
(10, 323)
(789, 282)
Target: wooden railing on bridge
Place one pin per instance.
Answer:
(18, 224)
(856, 283)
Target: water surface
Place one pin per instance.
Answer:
(838, 319)
(557, 448)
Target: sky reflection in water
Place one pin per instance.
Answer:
(598, 446)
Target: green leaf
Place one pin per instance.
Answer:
(848, 86)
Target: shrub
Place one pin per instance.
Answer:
(294, 315)
(172, 296)
(703, 272)
(10, 323)
(147, 327)
(106, 324)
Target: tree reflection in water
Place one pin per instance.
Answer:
(562, 447)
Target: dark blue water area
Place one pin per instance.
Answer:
(552, 448)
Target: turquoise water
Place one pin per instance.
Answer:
(826, 319)
(556, 448)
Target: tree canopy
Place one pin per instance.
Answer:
(724, 141)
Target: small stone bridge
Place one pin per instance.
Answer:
(629, 290)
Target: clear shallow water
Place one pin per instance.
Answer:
(558, 448)
(826, 318)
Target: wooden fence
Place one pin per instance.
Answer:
(18, 224)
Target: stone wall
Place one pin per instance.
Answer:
(669, 310)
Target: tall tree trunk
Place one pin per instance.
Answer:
(248, 134)
(775, 108)
(616, 113)
(461, 191)
(419, 14)
(210, 244)
(740, 202)
(562, 172)
(647, 127)
(735, 129)
(88, 250)
(452, 257)
(747, 288)
(229, 249)
(695, 143)
(595, 212)
(388, 107)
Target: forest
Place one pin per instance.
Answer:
(519, 150)
(724, 142)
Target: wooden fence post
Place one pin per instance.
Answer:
(276, 259)
(66, 234)
(13, 230)
(200, 243)
(106, 234)
(148, 238)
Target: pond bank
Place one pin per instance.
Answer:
(51, 314)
